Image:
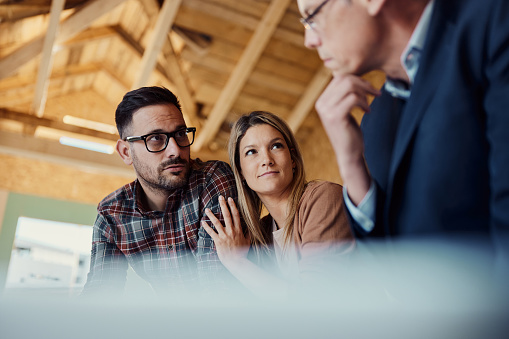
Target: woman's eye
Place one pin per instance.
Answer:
(251, 151)
(277, 145)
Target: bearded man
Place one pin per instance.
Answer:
(153, 224)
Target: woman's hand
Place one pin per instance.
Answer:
(232, 248)
(231, 244)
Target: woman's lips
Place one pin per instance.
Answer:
(268, 173)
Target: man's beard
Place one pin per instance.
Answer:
(163, 180)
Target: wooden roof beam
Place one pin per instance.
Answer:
(41, 86)
(179, 79)
(50, 150)
(173, 67)
(16, 10)
(112, 31)
(71, 26)
(159, 35)
(242, 70)
(195, 41)
(31, 120)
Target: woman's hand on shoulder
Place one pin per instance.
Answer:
(231, 244)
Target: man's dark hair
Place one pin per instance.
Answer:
(138, 98)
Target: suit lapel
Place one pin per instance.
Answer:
(427, 80)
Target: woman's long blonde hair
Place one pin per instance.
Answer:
(249, 203)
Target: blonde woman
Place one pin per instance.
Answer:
(305, 220)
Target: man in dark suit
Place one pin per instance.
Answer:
(432, 154)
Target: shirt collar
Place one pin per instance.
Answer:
(138, 201)
(409, 58)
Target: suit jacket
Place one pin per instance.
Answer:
(440, 160)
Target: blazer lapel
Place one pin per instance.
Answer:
(428, 77)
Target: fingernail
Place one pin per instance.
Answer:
(207, 210)
(230, 199)
(221, 197)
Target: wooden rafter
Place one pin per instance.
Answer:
(41, 87)
(31, 120)
(71, 26)
(159, 36)
(82, 18)
(243, 69)
(173, 69)
(16, 10)
(193, 40)
(112, 31)
(179, 79)
(169, 68)
(50, 150)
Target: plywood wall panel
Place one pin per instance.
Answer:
(224, 61)
(135, 21)
(110, 87)
(212, 26)
(87, 104)
(305, 57)
(314, 144)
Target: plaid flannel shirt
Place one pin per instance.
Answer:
(169, 249)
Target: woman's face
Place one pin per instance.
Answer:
(265, 161)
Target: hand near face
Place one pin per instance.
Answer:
(231, 244)
(334, 107)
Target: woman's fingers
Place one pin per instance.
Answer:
(210, 231)
(226, 213)
(228, 222)
(235, 214)
(215, 221)
(230, 242)
(232, 226)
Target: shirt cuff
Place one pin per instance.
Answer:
(364, 214)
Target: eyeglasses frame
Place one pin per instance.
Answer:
(169, 135)
(308, 22)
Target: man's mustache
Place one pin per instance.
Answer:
(173, 161)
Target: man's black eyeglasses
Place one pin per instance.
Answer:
(308, 21)
(157, 142)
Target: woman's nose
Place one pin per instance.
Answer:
(267, 159)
